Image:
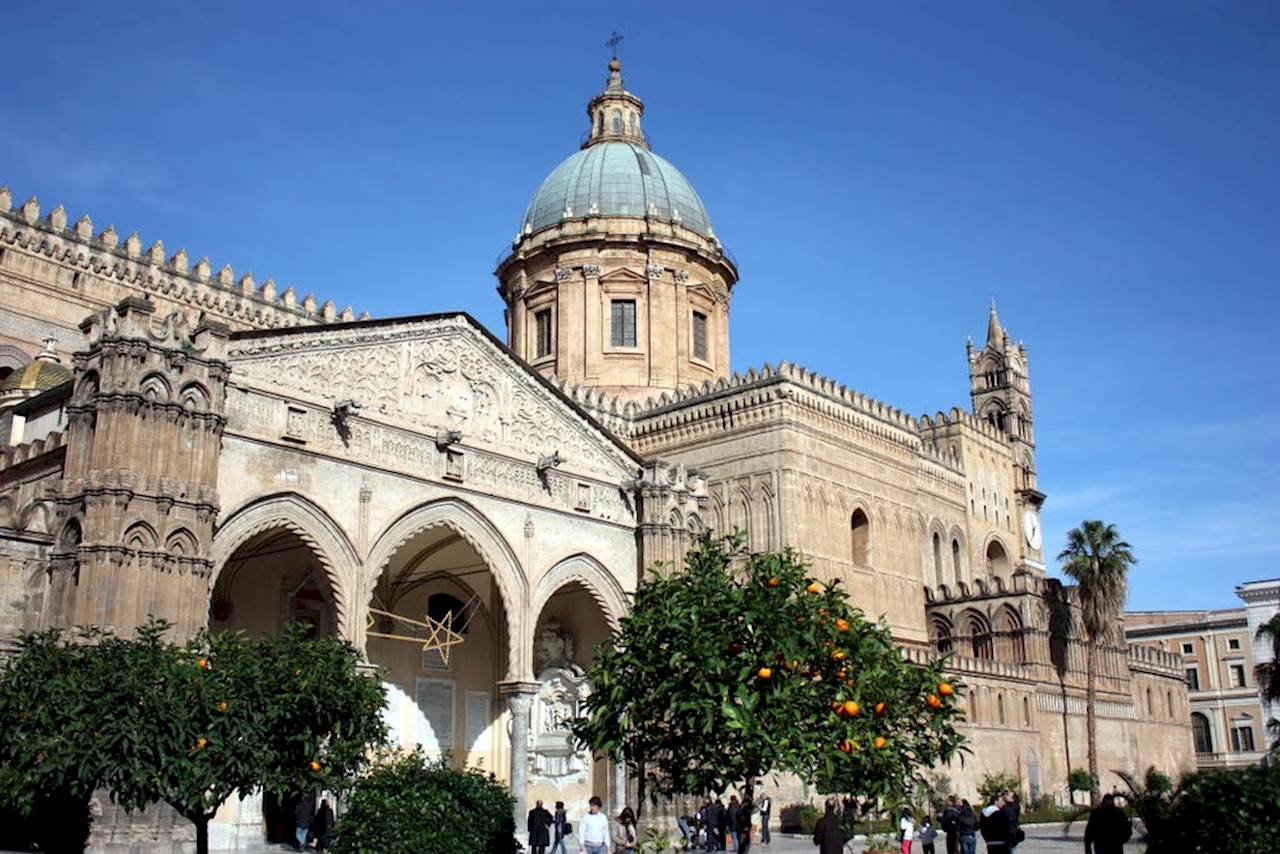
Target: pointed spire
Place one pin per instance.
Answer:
(995, 333)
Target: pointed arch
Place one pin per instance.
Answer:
(860, 536)
(592, 575)
(470, 524)
(325, 538)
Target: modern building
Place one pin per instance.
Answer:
(1227, 719)
(227, 453)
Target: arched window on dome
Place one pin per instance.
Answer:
(615, 122)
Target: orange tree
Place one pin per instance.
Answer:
(188, 724)
(744, 664)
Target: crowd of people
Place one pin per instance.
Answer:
(717, 826)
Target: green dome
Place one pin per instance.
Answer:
(616, 179)
(40, 375)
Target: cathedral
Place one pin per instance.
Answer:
(179, 441)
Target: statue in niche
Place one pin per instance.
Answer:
(554, 758)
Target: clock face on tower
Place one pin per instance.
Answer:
(1031, 527)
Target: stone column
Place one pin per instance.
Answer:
(619, 787)
(520, 703)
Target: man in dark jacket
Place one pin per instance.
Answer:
(322, 826)
(302, 815)
(995, 826)
(950, 816)
(731, 819)
(720, 820)
(540, 821)
(1108, 828)
(966, 829)
(828, 835)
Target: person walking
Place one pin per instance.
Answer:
(539, 827)
(828, 834)
(721, 817)
(593, 830)
(995, 826)
(927, 834)
(906, 830)
(624, 832)
(766, 809)
(966, 829)
(1108, 828)
(302, 817)
(560, 822)
(742, 830)
(322, 826)
(731, 819)
(950, 815)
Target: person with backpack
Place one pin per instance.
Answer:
(562, 828)
(950, 817)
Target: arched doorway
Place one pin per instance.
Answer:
(572, 622)
(443, 697)
(272, 579)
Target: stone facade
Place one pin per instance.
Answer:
(1227, 718)
(228, 456)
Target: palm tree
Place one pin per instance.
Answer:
(1269, 671)
(1098, 560)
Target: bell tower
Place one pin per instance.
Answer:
(999, 385)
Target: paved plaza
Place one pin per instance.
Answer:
(1041, 839)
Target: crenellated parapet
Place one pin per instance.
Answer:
(102, 267)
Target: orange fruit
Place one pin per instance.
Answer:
(203, 664)
(838, 655)
(795, 663)
(315, 766)
(765, 672)
(851, 707)
(772, 582)
(842, 672)
(880, 708)
(847, 745)
(813, 587)
(222, 706)
(881, 741)
(200, 743)
(933, 701)
(945, 689)
(842, 625)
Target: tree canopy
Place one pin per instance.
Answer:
(737, 665)
(189, 724)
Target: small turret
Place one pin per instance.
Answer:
(615, 113)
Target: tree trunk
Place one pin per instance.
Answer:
(1090, 720)
(201, 821)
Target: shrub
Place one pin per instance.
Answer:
(994, 784)
(1213, 811)
(1079, 780)
(411, 803)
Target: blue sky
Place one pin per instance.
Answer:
(1110, 173)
